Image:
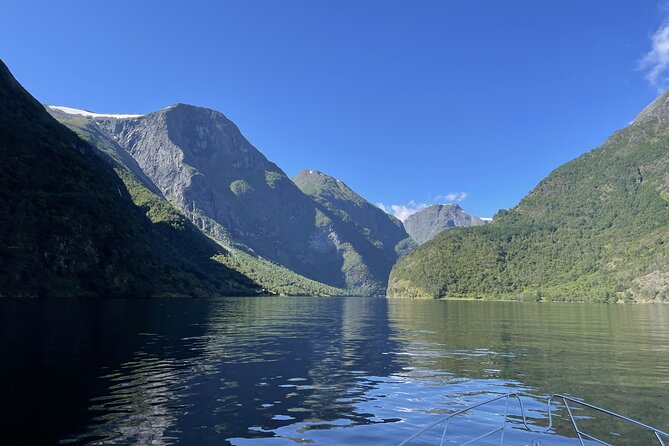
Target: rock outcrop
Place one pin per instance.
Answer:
(431, 221)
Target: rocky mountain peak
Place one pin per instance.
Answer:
(314, 182)
(314, 175)
(429, 222)
(658, 109)
(444, 207)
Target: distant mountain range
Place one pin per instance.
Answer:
(596, 229)
(431, 221)
(178, 202)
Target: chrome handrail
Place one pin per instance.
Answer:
(659, 434)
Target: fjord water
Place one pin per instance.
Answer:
(315, 370)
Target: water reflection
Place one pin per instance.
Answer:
(249, 368)
(612, 356)
(312, 370)
(294, 361)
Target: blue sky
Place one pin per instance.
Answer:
(407, 102)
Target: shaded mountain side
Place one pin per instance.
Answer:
(69, 227)
(375, 239)
(596, 229)
(431, 221)
(190, 241)
(378, 227)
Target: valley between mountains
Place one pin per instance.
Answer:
(178, 203)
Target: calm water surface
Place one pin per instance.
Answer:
(284, 371)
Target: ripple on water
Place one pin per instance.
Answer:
(357, 371)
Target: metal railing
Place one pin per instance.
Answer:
(661, 436)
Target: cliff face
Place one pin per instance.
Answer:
(431, 221)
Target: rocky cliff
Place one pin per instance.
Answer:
(431, 221)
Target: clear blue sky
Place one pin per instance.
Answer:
(404, 101)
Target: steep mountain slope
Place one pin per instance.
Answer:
(272, 277)
(210, 172)
(68, 225)
(595, 229)
(431, 221)
(200, 162)
(370, 240)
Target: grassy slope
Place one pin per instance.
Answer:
(596, 229)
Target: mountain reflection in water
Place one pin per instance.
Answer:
(313, 370)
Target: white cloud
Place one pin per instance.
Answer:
(656, 61)
(451, 197)
(402, 211)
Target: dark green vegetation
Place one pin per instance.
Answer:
(596, 229)
(276, 278)
(69, 227)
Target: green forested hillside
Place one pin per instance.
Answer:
(596, 229)
(69, 227)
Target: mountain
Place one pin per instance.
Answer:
(370, 240)
(199, 161)
(595, 229)
(271, 277)
(69, 226)
(427, 223)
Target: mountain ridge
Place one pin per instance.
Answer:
(380, 237)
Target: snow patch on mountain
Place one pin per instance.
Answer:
(76, 111)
